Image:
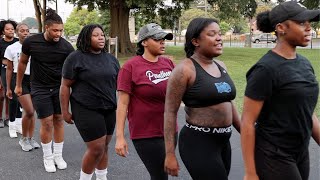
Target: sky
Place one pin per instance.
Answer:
(20, 9)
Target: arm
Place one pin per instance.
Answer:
(235, 117)
(176, 87)
(251, 111)
(121, 146)
(316, 129)
(64, 99)
(23, 62)
(9, 71)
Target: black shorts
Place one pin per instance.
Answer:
(46, 101)
(274, 163)
(92, 124)
(26, 89)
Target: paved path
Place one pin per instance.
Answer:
(18, 165)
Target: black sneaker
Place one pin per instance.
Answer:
(6, 122)
(1, 123)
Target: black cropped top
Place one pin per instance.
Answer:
(208, 90)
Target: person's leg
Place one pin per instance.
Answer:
(92, 157)
(13, 105)
(110, 122)
(101, 169)
(303, 163)
(201, 154)
(46, 132)
(1, 106)
(58, 134)
(152, 153)
(28, 119)
(41, 100)
(92, 128)
(6, 103)
(273, 163)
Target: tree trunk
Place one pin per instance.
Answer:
(120, 26)
(38, 14)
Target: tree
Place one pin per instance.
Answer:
(31, 22)
(190, 14)
(79, 18)
(119, 15)
(40, 11)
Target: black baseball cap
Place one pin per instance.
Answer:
(292, 10)
(154, 31)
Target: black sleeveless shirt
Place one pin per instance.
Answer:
(208, 90)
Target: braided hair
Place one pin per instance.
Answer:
(4, 22)
(84, 38)
(52, 17)
(194, 29)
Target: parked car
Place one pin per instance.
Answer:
(264, 37)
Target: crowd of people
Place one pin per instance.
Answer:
(44, 74)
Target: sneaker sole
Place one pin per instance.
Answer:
(59, 167)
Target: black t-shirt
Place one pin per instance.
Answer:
(47, 59)
(290, 92)
(3, 46)
(95, 78)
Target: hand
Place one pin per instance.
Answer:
(121, 147)
(18, 91)
(9, 93)
(251, 177)
(171, 165)
(68, 118)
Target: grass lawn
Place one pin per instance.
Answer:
(238, 62)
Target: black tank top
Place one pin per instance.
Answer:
(208, 90)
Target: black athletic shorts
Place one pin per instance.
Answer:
(92, 124)
(274, 163)
(26, 89)
(46, 101)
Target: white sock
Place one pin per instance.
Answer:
(47, 149)
(57, 148)
(85, 176)
(101, 174)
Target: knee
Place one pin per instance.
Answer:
(29, 114)
(46, 125)
(97, 151)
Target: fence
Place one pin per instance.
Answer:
(240, 41)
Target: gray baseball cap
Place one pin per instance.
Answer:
(154, 31)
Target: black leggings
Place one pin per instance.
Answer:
(206, 155)
(273, 163)
(15, 109)
(152, 153)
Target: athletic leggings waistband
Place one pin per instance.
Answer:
(210, 130)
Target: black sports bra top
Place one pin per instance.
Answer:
(208, 90)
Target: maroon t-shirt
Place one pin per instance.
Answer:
(146, 83)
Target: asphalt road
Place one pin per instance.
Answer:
(18, 165)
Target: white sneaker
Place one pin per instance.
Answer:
(12, 130)
(49, 164)
(25, 144)
(34, 143)
(61, 164)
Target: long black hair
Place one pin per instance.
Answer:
(52, 17)
(84, 38)
(4, 22)
(194, 29)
